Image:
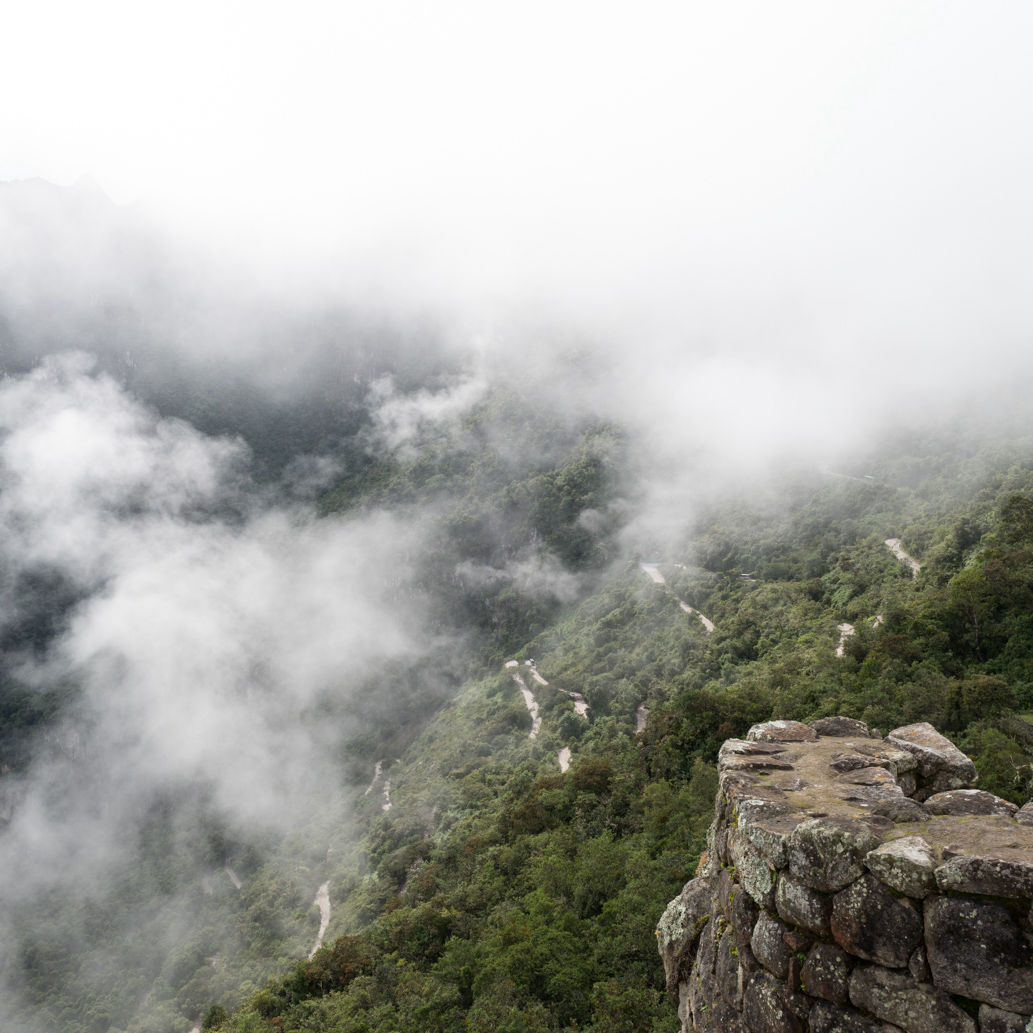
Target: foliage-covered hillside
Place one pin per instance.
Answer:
(479, 876)
(499, 893)
(384, 561)
(201, 904)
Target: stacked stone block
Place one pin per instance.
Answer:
(855, 884)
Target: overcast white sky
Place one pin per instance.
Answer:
(853, 173)
(669, 114)
(776, 223)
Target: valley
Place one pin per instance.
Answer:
(601, 761)
(430, 432)
(516, 808)
(388, 696)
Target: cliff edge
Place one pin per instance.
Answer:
(854, 884)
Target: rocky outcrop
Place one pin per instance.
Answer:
(854, 884)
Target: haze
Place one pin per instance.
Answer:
(743, 232)
(836, 176)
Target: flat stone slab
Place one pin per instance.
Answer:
(743, 747)
(973, 835)
(869, 776)
(894, 758)
(759, 762)
(841, 726)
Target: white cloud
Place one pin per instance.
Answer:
(534, 576)
(399, 419)
(208, 635)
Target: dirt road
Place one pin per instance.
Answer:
(322, 901)
(893, 544)
(652, 571)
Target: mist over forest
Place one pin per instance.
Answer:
(380, 352)
(252, 545)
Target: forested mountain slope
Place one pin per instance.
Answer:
(498, 893)
(312, 614)
(484, 544)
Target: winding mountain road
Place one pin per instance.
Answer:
(580, 704)
(530, 702)
(845, 631)
(378, 770)
(322, 901)
(652, 571)
(641, 717)
(893, 544)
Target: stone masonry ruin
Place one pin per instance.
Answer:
(854, 884)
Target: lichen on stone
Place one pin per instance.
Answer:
(824, 826)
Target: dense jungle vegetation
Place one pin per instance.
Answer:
(475, 884)
(500, 894)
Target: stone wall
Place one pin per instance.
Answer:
(854, 884)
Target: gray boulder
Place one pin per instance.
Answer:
(826, 974)
(828, 853)
(977, 950)
(755, 875)
(915, 1007)
(768, 946)
(769, 833)
(941, 765)
(825, 1018)
(900, 811)
(994, 1020)
(968, 801)
(799, 905)
(680, 928)
(782, 731)
(769, 1006)
(871, 923)
(1008, 874)
(906, 865)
